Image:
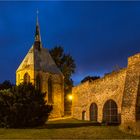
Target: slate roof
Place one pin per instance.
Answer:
(39, 58)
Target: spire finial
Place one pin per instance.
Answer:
(37, 43)
(37, 12)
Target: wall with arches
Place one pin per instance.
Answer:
(120, 88)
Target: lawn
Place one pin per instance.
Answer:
(73, 129)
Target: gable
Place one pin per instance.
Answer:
(28, 61)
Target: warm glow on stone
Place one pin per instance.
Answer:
(70, 97)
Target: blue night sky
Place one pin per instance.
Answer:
(99, 35)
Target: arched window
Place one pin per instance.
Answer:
(110, 112)
(39, 82)
(93, 112)
(26, 78)
(50, 96)
(138, 103)
(83, 115)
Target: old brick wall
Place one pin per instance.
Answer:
(99, 91)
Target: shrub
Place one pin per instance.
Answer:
(23, 106)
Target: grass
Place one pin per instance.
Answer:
(74, 129)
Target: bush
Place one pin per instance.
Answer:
(5, 85)
(23, 106)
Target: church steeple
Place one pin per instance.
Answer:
(37, 43)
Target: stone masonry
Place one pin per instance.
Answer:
(120, 87)
(39, 68)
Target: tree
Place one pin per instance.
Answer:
(90, 78)
(23, 106)
(6, 85)
(66, 64)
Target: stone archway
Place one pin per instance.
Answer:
(93, 112)
(110, 112)
(83, 115)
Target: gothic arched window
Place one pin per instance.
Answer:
(26, 78)
(39, 82)
(50, 96)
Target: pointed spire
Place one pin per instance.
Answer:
(37, 12)
(37, 42)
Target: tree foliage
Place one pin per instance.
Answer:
(89, 78)
(66, 64)
(5, 85)
(23, 106)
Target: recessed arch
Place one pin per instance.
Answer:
(26, 78)
(110, 112)
(84, 115)
(39, 82)
(93, 112)
(50, 90)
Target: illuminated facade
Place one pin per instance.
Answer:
(115, 98)
(39, 68)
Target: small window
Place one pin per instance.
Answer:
(26, 78)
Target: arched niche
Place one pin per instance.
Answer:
(110, 112)
(50, 90)
(26, 78)
(39, 82)
(93, 110)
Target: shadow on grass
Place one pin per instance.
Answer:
(69, 125)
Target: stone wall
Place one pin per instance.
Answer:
(57, 88)
(99, 91)
(131, 99)
(123, 87)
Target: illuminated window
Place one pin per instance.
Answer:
(110, 112)
(50, 96)
(93, 112)
(26, 78)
